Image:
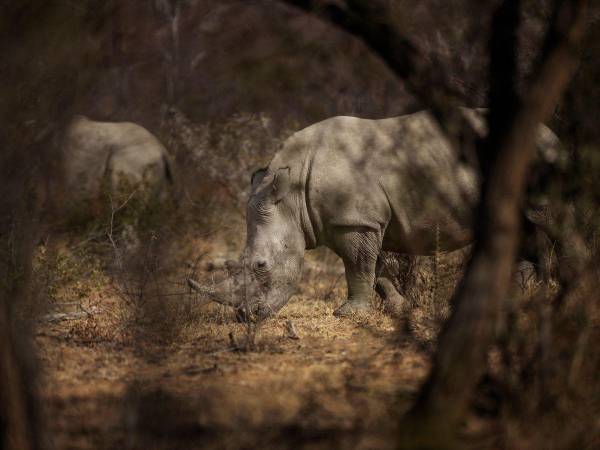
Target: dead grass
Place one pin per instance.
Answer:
(107, 382)
(167, 373)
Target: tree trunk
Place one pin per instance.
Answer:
(16, 424)
(18, 418)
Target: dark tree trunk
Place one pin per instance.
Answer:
(18, 231)
(17, 430)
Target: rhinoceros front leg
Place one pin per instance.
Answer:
(359, 249)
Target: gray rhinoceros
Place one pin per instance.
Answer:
(104, 155)
(358, 187)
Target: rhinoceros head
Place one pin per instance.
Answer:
(275, 245)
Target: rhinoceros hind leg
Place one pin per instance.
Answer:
(359, 249)
(394, 303)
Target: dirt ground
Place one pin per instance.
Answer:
(175, 377)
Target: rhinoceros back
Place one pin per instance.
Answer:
(103, 154)
(399, 175)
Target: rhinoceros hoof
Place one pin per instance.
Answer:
(395, 307)
(349, 309)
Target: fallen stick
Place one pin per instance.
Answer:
(57, 317)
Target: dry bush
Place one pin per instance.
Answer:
(541, 383)
(427, 284)
(149, 244)
(41, 76)
(544, 372)
(214, 161)
(139, 248)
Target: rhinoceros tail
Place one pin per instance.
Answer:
(168, 169)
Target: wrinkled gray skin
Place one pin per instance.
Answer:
(99, 155)
(358, 187)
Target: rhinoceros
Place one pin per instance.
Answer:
(103, 155)
(356, 186)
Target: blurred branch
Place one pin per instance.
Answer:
(18, 429)
(568, 286)
(58, 317)
(464, 342)
(113, 211)
(503, 97)
(371, 22)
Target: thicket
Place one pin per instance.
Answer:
(541, 378)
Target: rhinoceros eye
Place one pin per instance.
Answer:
(259, 265)
(260, 268)
(261, 207)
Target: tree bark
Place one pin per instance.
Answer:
(16, 431)
(18, 417)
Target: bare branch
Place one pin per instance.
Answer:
(58, 317)
(465, 340)
(113, 211)
(370, 21)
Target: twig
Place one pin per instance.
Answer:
(85, 241)
(58, 317)
(290, 330)
(113, 212)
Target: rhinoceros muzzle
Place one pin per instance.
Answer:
(222, 293)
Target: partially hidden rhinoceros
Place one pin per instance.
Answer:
(105, 155)
(358, 187)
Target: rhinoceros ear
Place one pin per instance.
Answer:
(281, 184)
(257, 177)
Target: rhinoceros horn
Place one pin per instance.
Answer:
(218, 293)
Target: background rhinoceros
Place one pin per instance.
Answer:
(105, 155)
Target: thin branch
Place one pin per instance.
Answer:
(113, 212)
(465, 340)
(587, 273)
(370, 21)
(58, 317)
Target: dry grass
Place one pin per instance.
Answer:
(143, 364)
(168, 372)
(109, 383)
